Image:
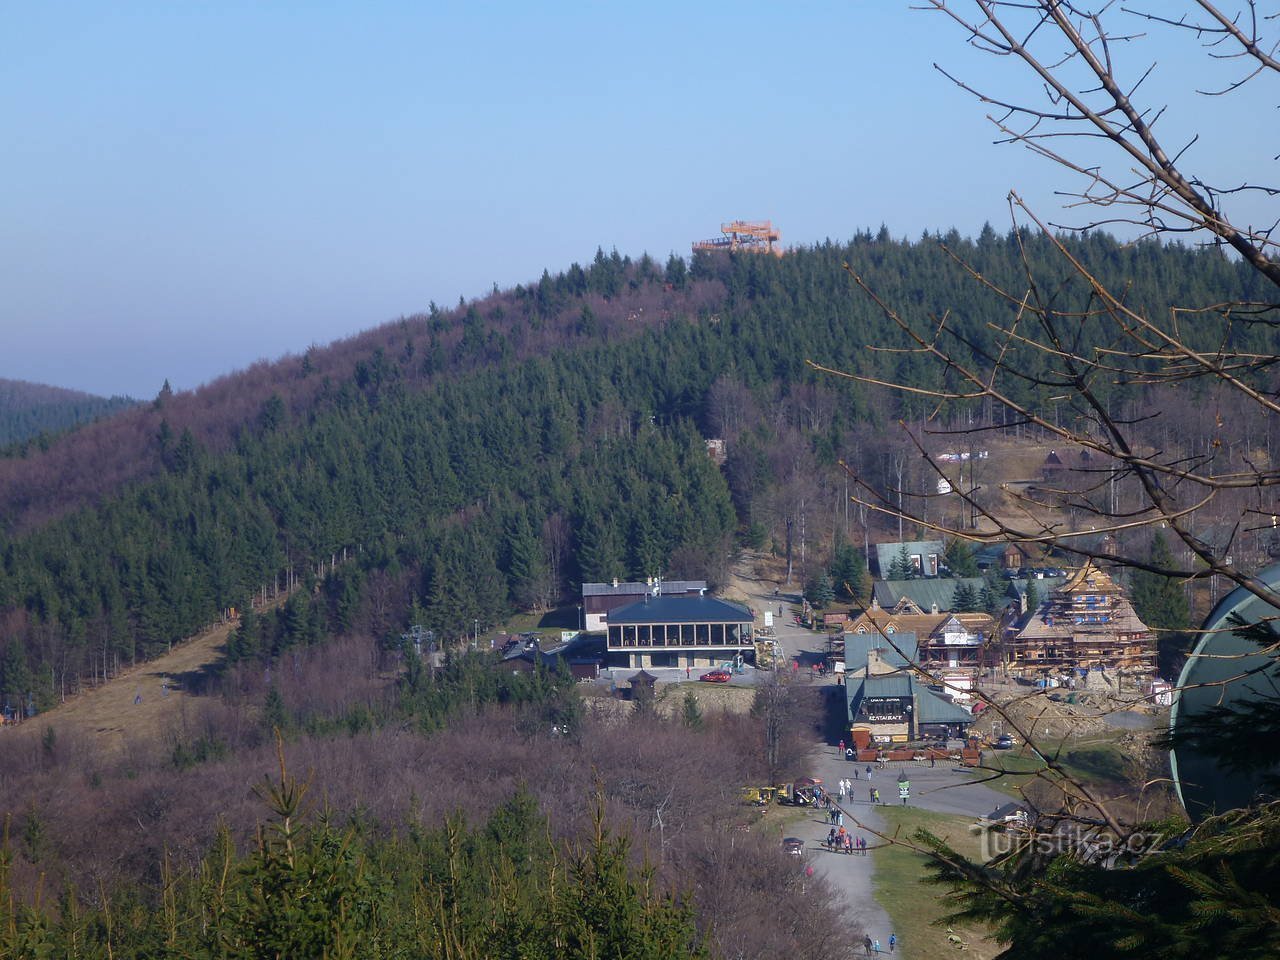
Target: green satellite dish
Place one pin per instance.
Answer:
(1225, 669)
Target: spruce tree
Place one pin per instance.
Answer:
(690, 711)
(1161, 604)
(848, 572)
(902, 568)
(1033, 596)
(963, 599)
(819, 591)
(960, 559)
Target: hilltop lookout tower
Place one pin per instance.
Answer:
(751, 236)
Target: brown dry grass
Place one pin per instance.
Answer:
(108, 718)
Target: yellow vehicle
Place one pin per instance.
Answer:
(760, 796)
(801, 793)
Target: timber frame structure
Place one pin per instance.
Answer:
(1086, 623)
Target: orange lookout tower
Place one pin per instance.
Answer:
(752, 236)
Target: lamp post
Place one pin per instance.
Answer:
(475, 636)
(581, 625)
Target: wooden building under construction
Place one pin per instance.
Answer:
(750, 236)
(1085, 624)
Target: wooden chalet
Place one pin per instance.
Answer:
(945, 641)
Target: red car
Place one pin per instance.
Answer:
(717, 676)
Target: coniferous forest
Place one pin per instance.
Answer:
(504, 451)
(450, 469)
(31, 413)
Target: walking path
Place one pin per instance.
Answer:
(850, 874)
(945, 787)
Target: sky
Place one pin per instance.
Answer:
(189, 188)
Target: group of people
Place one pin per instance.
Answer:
(844, 788)
(873, 946)
(842, 841)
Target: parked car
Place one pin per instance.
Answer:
(1006, 742)
(717, 676)
(1008, 813)
(793, 846)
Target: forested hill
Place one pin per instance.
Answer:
(486, 458)
(29, 410)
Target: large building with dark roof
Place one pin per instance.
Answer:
(599, 598)
(688, 631)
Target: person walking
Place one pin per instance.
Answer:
(855, 773)
(842, 749)
(875, 795)
(868, 771)
(866, 942)
(893, 941)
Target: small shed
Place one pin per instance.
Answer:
(643, 678)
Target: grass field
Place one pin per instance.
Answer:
(1098, 760)
(914, 905)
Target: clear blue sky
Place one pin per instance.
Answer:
(188, 188)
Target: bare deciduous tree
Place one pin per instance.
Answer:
(1072, 355)
(1101, 374)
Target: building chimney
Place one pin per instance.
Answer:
(933, 608)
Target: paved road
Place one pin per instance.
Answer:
(851, 874)
(944, 788)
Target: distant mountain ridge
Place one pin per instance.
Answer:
(30, 409)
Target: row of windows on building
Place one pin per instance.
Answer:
(679, 635)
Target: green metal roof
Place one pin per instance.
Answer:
(858, 645)
(932, 708)
(925, 593)
(858, 689)
(886, 553)
(887, 685)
